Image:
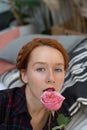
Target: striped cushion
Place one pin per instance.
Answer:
(75, 86)
(11, 79)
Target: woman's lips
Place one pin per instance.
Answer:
(49, 89)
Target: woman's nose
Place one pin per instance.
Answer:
(50, 77)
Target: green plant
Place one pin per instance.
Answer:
(31, 12)
(23, 9)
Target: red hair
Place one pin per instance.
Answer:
(24, 53)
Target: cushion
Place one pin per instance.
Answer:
(79, 120)
(75, 85)
(2, 86)
(11, 79)
(8, 36)
(11, 50)
(5, 66)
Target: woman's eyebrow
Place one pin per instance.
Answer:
(59, 64)
(42, 63)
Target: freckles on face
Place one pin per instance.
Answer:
(45, 69)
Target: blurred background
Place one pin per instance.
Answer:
(45, 16)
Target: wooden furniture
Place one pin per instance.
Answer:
(56, 30)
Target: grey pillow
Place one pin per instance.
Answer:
(10, 51)
(79, 120)
(2, 86)
(11, 79)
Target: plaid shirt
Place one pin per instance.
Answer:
(13, 111)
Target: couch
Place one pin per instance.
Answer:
(75, 84)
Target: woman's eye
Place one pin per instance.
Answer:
(58, 70)
(40, 69)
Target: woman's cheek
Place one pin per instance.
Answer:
(60, 82)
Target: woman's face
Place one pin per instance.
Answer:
(45, 71)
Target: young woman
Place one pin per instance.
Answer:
(42, 64)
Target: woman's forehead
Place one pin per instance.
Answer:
(46, 53)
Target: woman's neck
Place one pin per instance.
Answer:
(38, 113)
(39, 119)
(33, 104)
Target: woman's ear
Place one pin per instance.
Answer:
(23, 76)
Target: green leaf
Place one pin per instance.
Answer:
(58, 127)
(62, 120)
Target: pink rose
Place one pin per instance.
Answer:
(52, 100)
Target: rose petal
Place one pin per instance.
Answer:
(52, 100)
